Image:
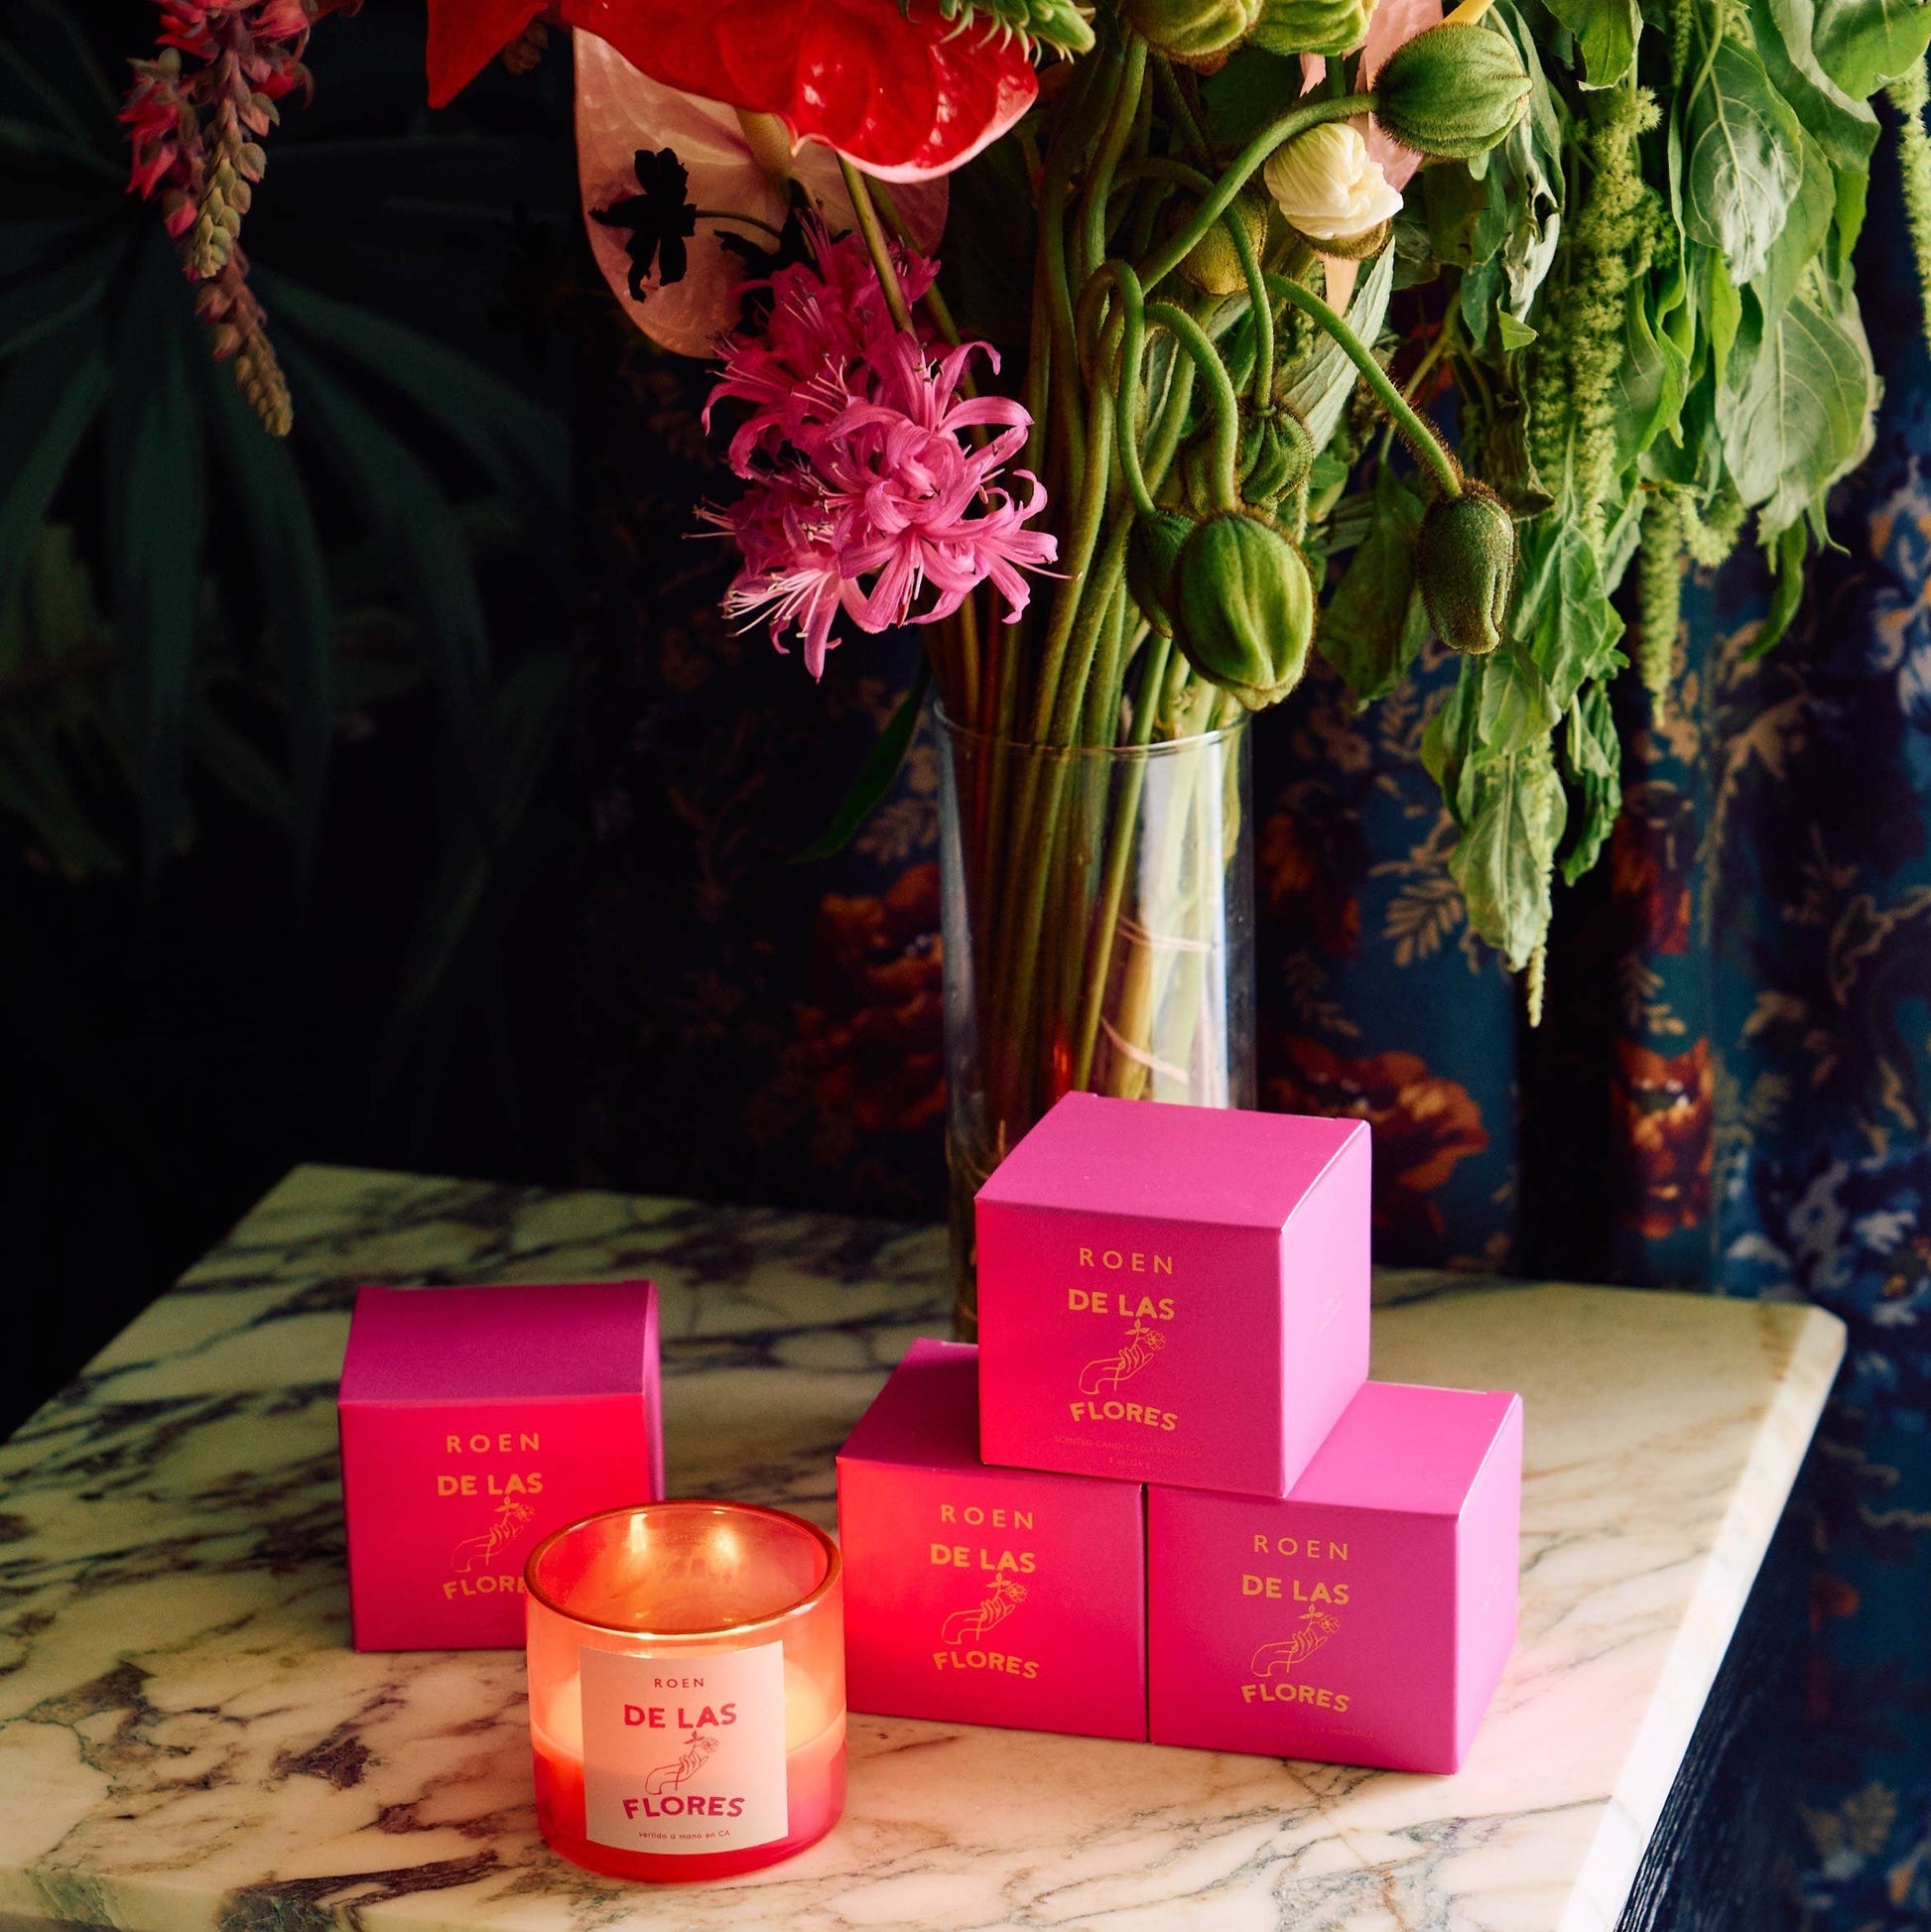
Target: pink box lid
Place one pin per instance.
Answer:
(1225, 1166)
(928, 1414)
(1402, 1446)
(505, 1342)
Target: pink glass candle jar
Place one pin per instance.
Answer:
(687, 1688)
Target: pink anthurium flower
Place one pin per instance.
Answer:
(871, 479)
(736, 186)
(891, 84)
(1393, 23)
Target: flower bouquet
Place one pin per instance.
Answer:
(1096, 343)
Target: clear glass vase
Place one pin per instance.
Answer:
(1098, 934)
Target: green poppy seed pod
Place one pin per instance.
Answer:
(1152, 550)
(1191, 30)
(1276, 453)
(1243, 607)
(1329, 27)
(1453, 92)
(1213, 264)
(1465, 564)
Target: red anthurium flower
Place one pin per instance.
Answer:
(619, 112)
(892, 85)
(465, 36)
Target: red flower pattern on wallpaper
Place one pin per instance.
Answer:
(1654, 865)
(871, 1039)
(1665, 1115)
(1303, 880)
(1423, 1124)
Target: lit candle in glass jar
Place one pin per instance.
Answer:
(687, 1688)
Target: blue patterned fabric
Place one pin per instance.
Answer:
(1820, 882)
(1730, 1089)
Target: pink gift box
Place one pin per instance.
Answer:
(1173, 1294)
(985, 1595)
(1365, 1618)
(474, 1421)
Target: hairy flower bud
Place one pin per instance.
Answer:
(1276, 453)
(1213, 264)
(1464, 564)
(1329, 27)
(1453, 92)
(1152, 550)
(1192, 30)
(1243, 607)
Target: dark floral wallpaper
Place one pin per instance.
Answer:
(1731, 1087)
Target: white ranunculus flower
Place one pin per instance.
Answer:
(1328, 187)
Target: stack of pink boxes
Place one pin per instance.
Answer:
(1161, 1499)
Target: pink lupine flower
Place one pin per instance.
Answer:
(866, 487)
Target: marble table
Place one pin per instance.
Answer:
(188, 1745)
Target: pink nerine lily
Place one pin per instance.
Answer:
(859, 458)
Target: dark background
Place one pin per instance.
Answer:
(551, 842)
(540, 919)
(509, 892)
(176, 1035)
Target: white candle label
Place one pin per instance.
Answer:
(684, 1753)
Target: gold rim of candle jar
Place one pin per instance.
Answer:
(834, 1567)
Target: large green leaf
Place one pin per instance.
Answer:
(1467, 218)
(1373, 626)
(1321, 385)
(35, 304)
(59, 728)
(1745, 160)
(1843, 123)
(1796, 412)
(486, 863)
(1653, 378)
(1864, 45)
(49, 398)
(875, 775)
(1607, 31)
(286, 550)
(424, 537)
(157, 465)
(1534, 176)
(1563, 613)
(522, 447)
(1804, 235)
(1591, 758)
(1501, 706)
(1504, 858)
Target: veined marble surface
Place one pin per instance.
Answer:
(188, 1745)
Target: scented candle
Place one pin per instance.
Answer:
(1173, 1294)
(985, 1595)
(1366, 1617)
(687, 1688)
